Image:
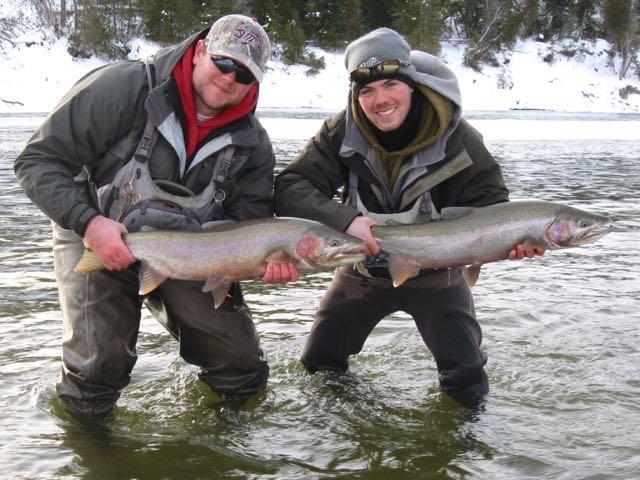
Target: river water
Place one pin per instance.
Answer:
(561, 333)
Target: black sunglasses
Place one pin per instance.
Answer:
(387, 67)
(227, 65)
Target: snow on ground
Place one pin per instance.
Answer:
(35, 77)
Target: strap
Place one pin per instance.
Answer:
(222, 166)
(461, 161)
(150, 134)
(220, 174)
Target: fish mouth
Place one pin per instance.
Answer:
(594, 233)
(343, 255)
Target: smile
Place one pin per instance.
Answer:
(387, 112)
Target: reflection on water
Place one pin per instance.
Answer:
(561, 333)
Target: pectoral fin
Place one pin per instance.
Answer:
(149, 278)
(90, 262)
(401, 270)
(471, 274)
(219, 288)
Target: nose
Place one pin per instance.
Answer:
(229, 77)
(380, 97)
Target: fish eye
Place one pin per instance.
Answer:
(584, 224)
(334, 243)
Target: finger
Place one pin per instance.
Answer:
(372, 246)
(294, 274)
(268, 274)
(277, 273)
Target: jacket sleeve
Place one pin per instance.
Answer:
(479, 185)
(77, 133)
(255, 183)
(306, 188)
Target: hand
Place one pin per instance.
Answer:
(104, 237)
(520, 252)
(281, 273)
(361, 227)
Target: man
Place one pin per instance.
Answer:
(401, 152)
(171, 142)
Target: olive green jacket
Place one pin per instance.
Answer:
(97, 125)
(457, 170)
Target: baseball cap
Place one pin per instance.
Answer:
(242, 39)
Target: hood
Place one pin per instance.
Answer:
(430, 72)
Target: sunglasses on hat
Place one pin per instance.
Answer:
(386, 67)
(227, 65)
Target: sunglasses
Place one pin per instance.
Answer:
(227, 65)
(387, 67)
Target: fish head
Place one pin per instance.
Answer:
(573, 226)
(323, 246)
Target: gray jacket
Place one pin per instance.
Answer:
(96, 128)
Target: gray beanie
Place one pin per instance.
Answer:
(377, 46)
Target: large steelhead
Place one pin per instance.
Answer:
(475, 236)
(233, 251)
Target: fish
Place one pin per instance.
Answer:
(471, 237)
(233, 251)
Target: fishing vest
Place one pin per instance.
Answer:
(422, 211)
(135, 199)
(418, 193)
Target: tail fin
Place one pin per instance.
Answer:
(90, 262)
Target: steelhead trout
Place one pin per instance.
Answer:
(232, 251)
(473, 236)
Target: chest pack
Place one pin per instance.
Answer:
(135, 199)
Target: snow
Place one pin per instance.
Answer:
(36, 74)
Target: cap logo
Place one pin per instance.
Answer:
(247, 37)
(371, 62)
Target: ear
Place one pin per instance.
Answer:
(200, 50)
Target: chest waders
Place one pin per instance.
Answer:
(135, 199)
(440, 302)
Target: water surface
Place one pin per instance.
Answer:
(561, 333)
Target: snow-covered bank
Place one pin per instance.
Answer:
(35, 77)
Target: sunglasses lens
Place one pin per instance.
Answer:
(244, 76)
(227, 65)
(388, 67)
(360, 74)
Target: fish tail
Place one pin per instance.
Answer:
(90, 262)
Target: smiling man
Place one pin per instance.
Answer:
(400, 152)
(170, 142)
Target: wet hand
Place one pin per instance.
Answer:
(281, 273)
(520, 252)
(104, 237)
(361, 227)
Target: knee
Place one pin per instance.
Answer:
(83, 399)
(236, 381)
(326, 348)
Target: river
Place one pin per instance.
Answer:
(561, 332)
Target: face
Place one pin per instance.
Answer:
(213, 90)
(386, 103)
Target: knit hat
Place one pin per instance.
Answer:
(375, 47)
(242, 39)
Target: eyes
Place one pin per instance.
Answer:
(584, 224)
(334, 243)
(389, 85)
